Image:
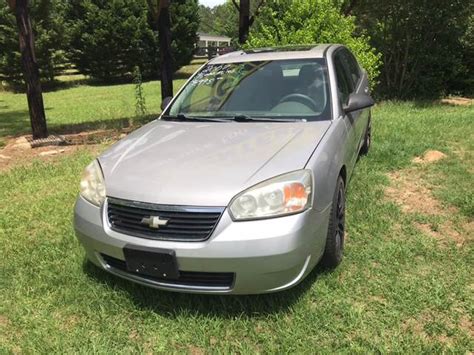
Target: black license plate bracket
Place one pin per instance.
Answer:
(155, 262)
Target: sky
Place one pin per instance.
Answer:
(211, 3)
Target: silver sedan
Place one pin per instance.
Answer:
(239, 186)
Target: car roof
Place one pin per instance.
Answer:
(273, 53)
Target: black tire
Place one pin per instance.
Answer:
(367, 139)
(335, 238)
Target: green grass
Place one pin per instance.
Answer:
(82, 106)
(79, 107)
(397, 289)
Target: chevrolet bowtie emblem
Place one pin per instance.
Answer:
(154, 222)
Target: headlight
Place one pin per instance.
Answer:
(283, 195)
(92, 184)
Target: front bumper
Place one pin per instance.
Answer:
(264, 256)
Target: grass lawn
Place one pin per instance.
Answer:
(84, 107)
(405, 284)
(78, 107)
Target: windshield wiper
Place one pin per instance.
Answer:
(236, 118)
(183, 117)
(247, 118)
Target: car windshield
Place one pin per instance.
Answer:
(279, 89)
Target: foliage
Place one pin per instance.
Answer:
(111, 37)
(224, 19)
(140, 102)
(425, 44)
(104, 39)
(206, 19)
(184, 27)
(464, 81)
(286, 22)
(49, 26)
(220, 20)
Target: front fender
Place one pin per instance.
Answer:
(326, 163)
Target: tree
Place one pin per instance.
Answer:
(220, 20)
(287, 22)
(206, 19)
(423, 45)
(159, 10)
(50, 33)
(30, 66)
(245, 20)
(184, 16)
(109, 38)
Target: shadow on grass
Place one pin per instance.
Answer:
(58, 85)
(427, 103)
(173, 305)
(62, 85)
(15, 123)
(115, 123)
(3, 107)
(181, 75)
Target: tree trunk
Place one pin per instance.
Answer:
(30, 70)
(166, 59)
(244, 20)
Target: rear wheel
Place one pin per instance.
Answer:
(367, 139)
(335, 238)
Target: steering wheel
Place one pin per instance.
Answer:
(301, 98)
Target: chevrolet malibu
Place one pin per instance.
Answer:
(239, 186)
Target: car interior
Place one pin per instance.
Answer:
(279, 88)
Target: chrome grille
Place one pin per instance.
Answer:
(183, 223)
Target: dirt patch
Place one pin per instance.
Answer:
(18, 151)
(194, 350)
(429, 156)
(134, 335)
(466, 324)
(14, 155)
(414, 195)
(377, 299)
(97, 136)
(457, 101)
(445, 232)
(416, 326)
(408, 190)
(3, 321)
(67, 323)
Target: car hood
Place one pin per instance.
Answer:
(205, 163)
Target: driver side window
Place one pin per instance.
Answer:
(343, 82)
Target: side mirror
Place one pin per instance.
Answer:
(358, 102)
(165, 102)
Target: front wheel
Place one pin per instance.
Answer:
(335, 238)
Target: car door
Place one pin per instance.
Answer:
(344, 89)
(358, 86)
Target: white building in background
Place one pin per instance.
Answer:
(212, 43)
(207, 40)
